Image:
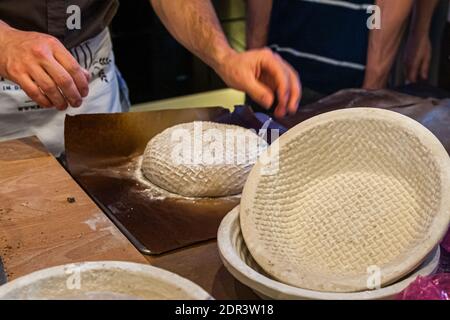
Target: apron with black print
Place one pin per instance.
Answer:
(22, 117)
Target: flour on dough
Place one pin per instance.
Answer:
(202, 159)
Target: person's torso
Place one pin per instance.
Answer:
(72, 22)
(325, 40)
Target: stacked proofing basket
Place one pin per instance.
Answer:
(351, 204)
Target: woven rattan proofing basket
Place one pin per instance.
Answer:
(351, 190)
(239, 262)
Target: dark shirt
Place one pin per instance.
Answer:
(326, 41)
(50, 17)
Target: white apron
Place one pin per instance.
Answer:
(21, 117)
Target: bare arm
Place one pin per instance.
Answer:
(258, 20)
(384, 43)
(43, 67)
(260, 73)
(418, 47)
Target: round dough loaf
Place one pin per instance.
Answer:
(202, 159)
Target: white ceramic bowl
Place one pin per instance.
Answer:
(106, 280)
(240, 264)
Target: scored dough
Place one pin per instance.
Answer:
(361, 197)
(202, 159)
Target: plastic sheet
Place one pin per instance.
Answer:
(436, 287)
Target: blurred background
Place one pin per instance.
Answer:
(156, 67)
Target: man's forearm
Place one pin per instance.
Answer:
(422, 16)
(258, 20)
(265, 77)
(384, 43)
(194, 24)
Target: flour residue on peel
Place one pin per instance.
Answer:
(154, 192)
(132, 171)
(93, 222)
(151, 190)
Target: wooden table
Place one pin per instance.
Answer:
(47, 220)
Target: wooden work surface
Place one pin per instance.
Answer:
(41, 226)
(46, 219)
(202, 265)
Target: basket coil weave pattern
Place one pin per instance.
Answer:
(238, 260)
(196, 177)
(349, 194)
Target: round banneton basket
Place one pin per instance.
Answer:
(108, 280)
(343, 192)
(239, 262)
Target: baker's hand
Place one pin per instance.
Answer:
(43, 67)
(262, 74)
(417, 57)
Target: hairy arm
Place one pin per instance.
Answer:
(384, 43)
(260, 73)
(258, 21)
